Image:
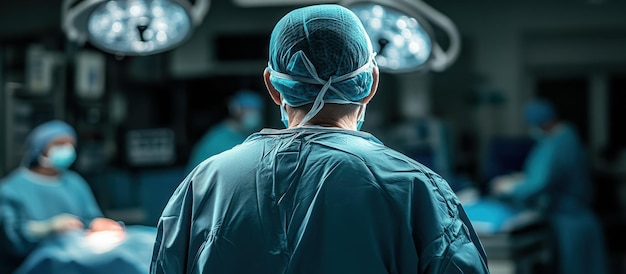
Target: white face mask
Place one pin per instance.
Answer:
(59, 157)
(318, 104)
(283, 113)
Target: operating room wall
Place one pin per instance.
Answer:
(21, 18)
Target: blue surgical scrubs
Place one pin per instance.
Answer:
(314, 200)
(219, 138)
(26, 196)
(557, 179)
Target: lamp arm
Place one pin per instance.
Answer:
(199, 11)
(442, 59)
(70, 10)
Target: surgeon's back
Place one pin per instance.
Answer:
(314, 200)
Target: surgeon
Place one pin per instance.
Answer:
(245, 116)
(43, 198)
(320, 196)
(556, 182)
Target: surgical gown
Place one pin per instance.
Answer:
(557, 179)
(26, 196)
(314, 200)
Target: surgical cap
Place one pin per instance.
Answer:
(539, 112)
(41, 136)
(333, 39)
(247, 99)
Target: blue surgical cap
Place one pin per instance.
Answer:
(539, 112)
(41, 136)
(333, 39)
(247, 99)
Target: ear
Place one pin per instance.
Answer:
(374, 86)
(276, 97)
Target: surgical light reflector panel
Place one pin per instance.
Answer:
(401, 42)
(138, 26)
(132, 27)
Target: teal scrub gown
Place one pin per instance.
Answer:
(26, 196)
(314, 200)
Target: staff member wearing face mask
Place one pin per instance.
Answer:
(245, 109)
(43, 197)
(556, 181)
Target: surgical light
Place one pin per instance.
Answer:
(132, 27)
(401, 34)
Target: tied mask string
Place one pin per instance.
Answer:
(318, 104)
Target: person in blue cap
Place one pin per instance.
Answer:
(320, 196)
(43, 197)
(556, 182)
(245, 116)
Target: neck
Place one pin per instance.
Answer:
(332, 115)
(44, 171)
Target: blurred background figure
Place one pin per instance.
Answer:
(43, 198)
(556, 181)
(245, 110)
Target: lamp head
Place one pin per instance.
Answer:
(132, 27)
(402, 36)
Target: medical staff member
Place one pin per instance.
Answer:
(320, 196)
(43, 197)
(245, 116)
(556, 181)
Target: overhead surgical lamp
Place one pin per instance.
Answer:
(402, 37)
(132, 27)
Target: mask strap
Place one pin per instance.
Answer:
(283, 113)
(318, 104)
(362, 114)
(361, 119)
